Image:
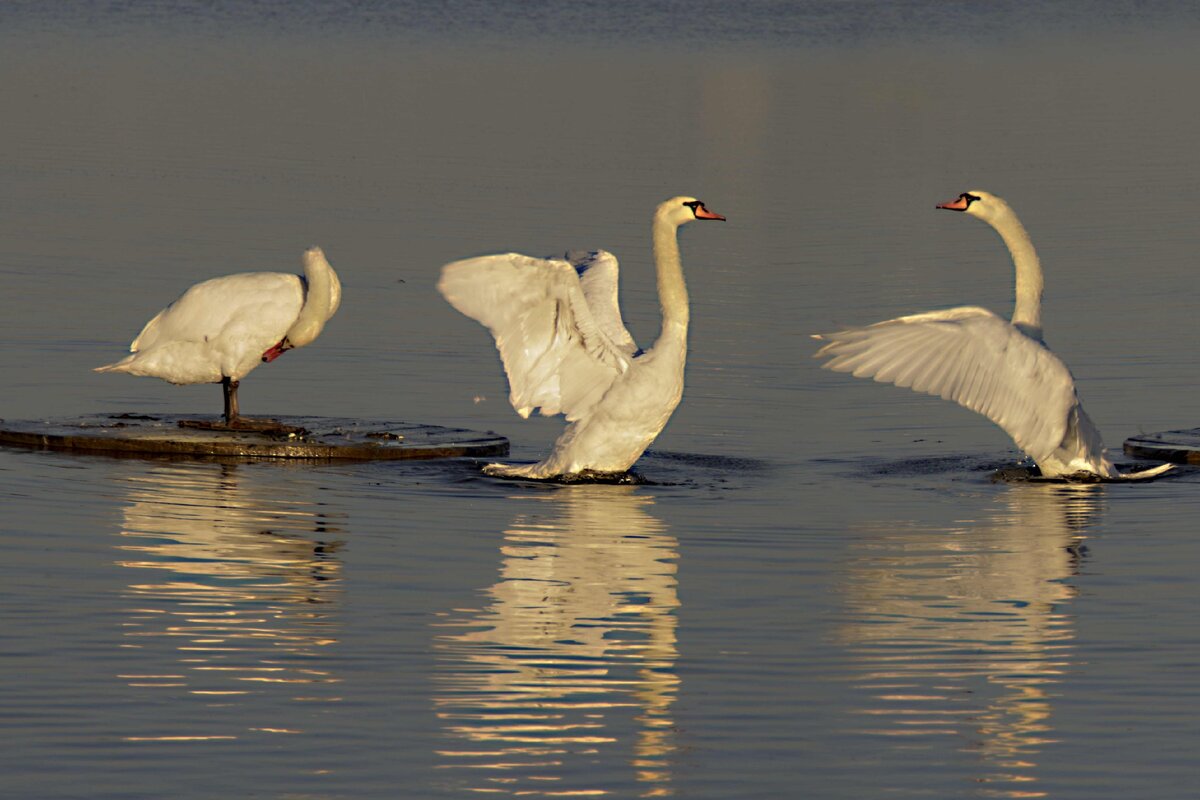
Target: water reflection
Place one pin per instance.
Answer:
(963, 634)
(568, 673)
(233, 583)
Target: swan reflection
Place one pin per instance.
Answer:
(568, 671)
(231, 584)
(964, 634)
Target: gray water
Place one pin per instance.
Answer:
(817, 592)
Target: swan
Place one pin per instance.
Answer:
(1001, 369)
(219, 330)
(566, 351)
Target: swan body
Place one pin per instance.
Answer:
(566, 351)
(996, 367)
(221, 329)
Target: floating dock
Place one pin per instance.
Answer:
(1181, 447)
(199, 436)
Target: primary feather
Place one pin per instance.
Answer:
(555, 354)
(972, 357)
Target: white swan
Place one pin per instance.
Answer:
(565, 349)
(221, 329)
(997, 368)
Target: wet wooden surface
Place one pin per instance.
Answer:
(318, 438)
(1182, 447)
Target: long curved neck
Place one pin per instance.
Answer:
(672, 291)
(1027, 310)
(323, 293)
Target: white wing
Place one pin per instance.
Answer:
(218, 328)
(973, 357)
(555, 354)
(599, 275)
(253, 305)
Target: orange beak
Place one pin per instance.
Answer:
(276, 350)
(957, 204)
(704, 213)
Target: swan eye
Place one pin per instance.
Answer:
(970, 198)
(694, 204)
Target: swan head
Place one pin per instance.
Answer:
(682, 210)
(980, 204)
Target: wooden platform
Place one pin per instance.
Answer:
(1182, 447)
(318, 438)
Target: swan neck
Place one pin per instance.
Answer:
(322, 295)
(1027, 310)
(672, 291)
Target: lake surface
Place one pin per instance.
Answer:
(817, 592)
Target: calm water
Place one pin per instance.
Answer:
(818, 593)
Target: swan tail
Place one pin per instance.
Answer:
(513, 471)
(117, 366)
(1146, 474)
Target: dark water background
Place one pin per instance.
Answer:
(819, 593)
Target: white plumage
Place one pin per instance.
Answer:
(565, 350)
(221, 329)
(1000, 369)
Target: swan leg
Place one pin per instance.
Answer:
(230, 387)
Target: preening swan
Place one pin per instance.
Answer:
(565, 349)
(998, 368)
(219, 330)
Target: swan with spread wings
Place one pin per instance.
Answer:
(996, 367)
(566, 351)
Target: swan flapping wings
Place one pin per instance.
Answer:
(973, 357)
(561, 339)
(599, 276)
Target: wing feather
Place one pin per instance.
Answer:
(599, 276)
(972, 357)
(265, 302)
(556, 355)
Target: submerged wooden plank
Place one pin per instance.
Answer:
(1181, 447)
(316, 438)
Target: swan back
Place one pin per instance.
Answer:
(217, 328)
(229, 307)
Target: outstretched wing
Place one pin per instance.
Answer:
(557, 357)
(973, 357)
(599, 275)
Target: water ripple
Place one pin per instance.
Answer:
(232, 594)
(964, 634)
(578, 632)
